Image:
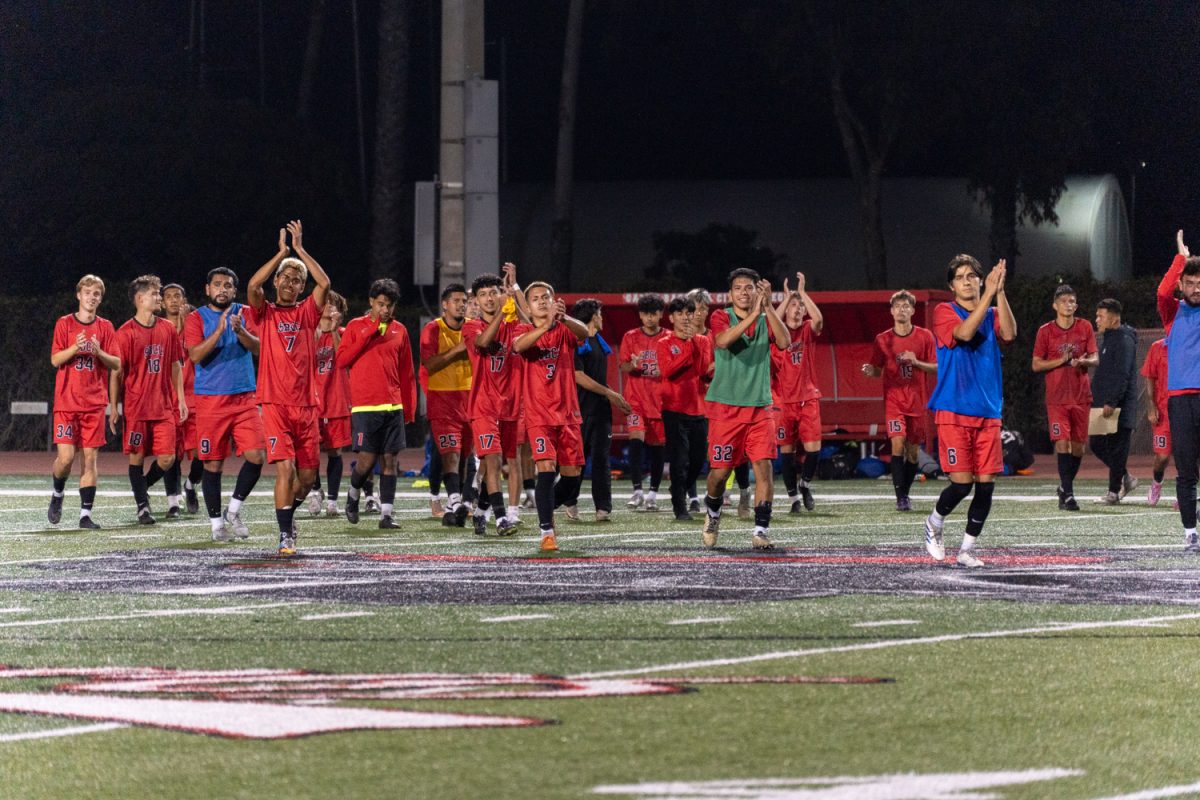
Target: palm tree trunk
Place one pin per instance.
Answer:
(562, 230)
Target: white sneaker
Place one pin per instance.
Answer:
(372, 505)
(315, 499)
(933, 539)
(221, 535)
(1191, 543)
(965, 559)
(235, 525)
(761, 541)
(637, 500)
(1128, 484)
(528, 500)
(572, 513)
(651, 502)
(331, 509)
(602, 515)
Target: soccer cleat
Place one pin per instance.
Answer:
(1155, 493)
(505, 527)
(1062, 498)
(387, 523)
(173, 513)
(287, 544)
(549, 543)
(807, 497)
(684, 516)
(352, 510)
(760, 541)
(744, 505)
(144, 516)
(572, 513)
(192, 501)
(88, 524)
(479, 523)
(54, 513)
(636, 501)
(602, 515)
(372, 505)
(1191, 543)
(436, 509)
(1128, 484)
(221, 535)
(965, 559)
(694, 505)
(314, 500)
(331, 509)
(528, 501)
(1108, 499)
(795, 507)
(1069, 503)
(234, 524)
(904, 504)
(651, 504)
(933, 540)
(712, 526)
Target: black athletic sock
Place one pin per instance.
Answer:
(543, 494)
(60, 485)
(368, 486)
(713, 504)
(910, 475)
(247, 476)
(452, 485)
(496, 501)
(1159, 474)
(316, 485)
(211, 484)
(810, 466)
(981, 506)
(153, 474)
(789, 472)
(1064, 473)
(635, 463)
(657, 457)
(951, 496)
(387, 489)
(333, 477)
(137, 482)
(284, 517)
(762, 514)
(741, 474)
(195, 472)
(357, 481)
(484, 503)
(435, 473)
(171, 479)
(87, 497)
(469, 491)
(1076, 462)
(528, 483)
(898, 476)
(571, 485)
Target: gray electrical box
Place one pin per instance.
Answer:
(482, 235)
(482, 108)
(425, 234)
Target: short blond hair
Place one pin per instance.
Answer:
(296, 264)
(90, 280)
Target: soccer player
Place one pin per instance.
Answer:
(383, 395)
(638, 354)
(552, 416)
(1115, 391)
(287, 385)
(1065, 348)
(902, 355)
(333, 388)
(448, 387)
(969, 397)
(682, 360)
(741, 426)
(794, 390)
(151, 377)
(222, 349)
(1181, 318)
(495, 398)
(176, 309)
(83, 352)
(1155, 371)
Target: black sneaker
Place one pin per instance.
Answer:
(173, 512)
(479, 522)
(694, 505)
(795, 509)
(54, 513)
(806, 496)
(683, 516)
(1062, 498)
(386, 521)
(193, 502)
(352, 510)
(450, 520)
(1068, 503)
(144, 516)
(460, 515)
(88, 524)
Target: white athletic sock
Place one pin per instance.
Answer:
(173, 501)
(385, 509)
(455, 501)
(187, 483)
(968, 543)
(85, 512)
(651, 496)
(55, 494)
(1189, 531)
(936, 517)
(759, 529)
(217, 524)
(514, 512)
(793, 498)
(433, 498)
(235, 505)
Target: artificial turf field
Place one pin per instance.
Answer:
(428, 662)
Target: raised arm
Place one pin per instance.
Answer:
(810, 305)
(589, 385)
(1168, 304)
(727, 337)
(254, 289)
(779, 332)
(487, 336)
(314, 269)
(355, 340)
(202, 350)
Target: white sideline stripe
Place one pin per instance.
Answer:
(172, 612)
(699, 620)
(339, 615)
(516, 617)
(850, 648)
(883, 623)
(74, 730)
(257, 587)
(1152, 794)
(13, 610)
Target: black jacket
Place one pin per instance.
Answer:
(1115, 380)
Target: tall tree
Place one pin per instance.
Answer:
(388, 231)
(562, 230)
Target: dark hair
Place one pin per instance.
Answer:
(182, 291)
(963, 260)
(484, 281)
(453, 288)
(680, 304)
(1064, 289)
(1192, 266)
(221, 271)
(1110, 305)
(744, 272)
(584, 310)
(903, 296)
(141, 283)
(386, 287)
(337, 301)
(650, 304)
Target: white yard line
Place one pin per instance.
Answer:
(1153, 794)
(883, 623)
(516, 618)
(74, 730)
(883, 645)
(339, 615)
(700, 620)
(173, 612)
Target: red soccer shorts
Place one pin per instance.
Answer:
(186, 438)
(653, 428)
(1068, 423)
(740, 433)
(151, 437)
(451, 435)
(80, 428)
(798, 422)
(223, 416)
(293, 432)
(1160, 437)
(968, 448)
(495, 436)
(335, 433)
(901, 422)
(562, 444)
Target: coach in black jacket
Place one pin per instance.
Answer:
(1114, 386)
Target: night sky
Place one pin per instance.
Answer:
(116, 152)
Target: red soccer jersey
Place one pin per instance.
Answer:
(81, 384)
(1155, 369)
(147, 354)
(333, 384)
(495, 375)
(794, 371)
(945, 320)
(189, 372)
(549, 379)
(682, 362)
(643, 386)
(904, 386)
(380, 365)
(1066, 385)
(287, 359)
